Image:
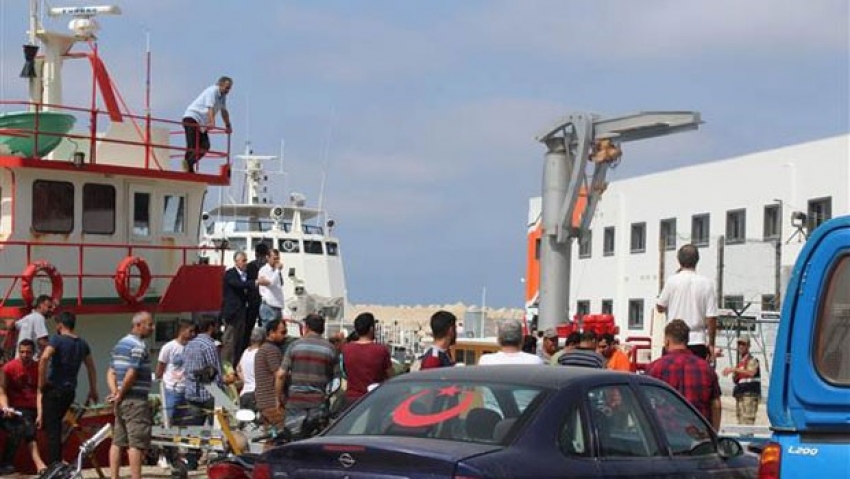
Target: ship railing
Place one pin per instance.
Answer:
(144, 139)
(75, 263)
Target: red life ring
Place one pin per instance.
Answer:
(31, 271)
(123, 275)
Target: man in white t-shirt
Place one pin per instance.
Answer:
(245, 370)
(691, 298)
(510, 347)
(169, 370)
(34, 325)
(270, 281)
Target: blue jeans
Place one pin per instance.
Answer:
(269, 313)
(175, 407)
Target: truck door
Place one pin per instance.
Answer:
(809, 398)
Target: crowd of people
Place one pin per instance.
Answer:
(264, 369)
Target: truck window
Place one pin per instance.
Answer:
(832, 330)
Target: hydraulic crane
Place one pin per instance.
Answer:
(581, 148)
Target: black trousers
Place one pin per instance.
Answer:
(55, 403)
(19, 428)
(197, 142)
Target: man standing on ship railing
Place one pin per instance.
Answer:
(200, 117)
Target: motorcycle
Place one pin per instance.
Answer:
(305, 424)
(63, 470)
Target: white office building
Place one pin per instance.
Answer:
(749, 215)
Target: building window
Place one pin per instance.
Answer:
(772, 222)
(733, 301)
(667, 234)
(700, 229)
(98, 209)
(820, 211)
(582, 307)
(141, 214)
(638, 239)
(52, 206)
(608, 241)
(607, 306)
(174, 214)
(768, 302)
(585, 244)
(736, 226)
(635, 314)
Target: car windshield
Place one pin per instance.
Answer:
(457, 411)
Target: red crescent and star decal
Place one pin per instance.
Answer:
(403, 416)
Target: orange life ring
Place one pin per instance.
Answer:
(123, 275)
(31, 271)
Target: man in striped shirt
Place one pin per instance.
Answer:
(129, 380)
(309, 365)
(585, 355)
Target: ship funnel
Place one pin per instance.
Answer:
(30, 51)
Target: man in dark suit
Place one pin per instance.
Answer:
(261, 257)
(237, 289)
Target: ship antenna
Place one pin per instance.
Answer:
(326, 163)
(282, 170)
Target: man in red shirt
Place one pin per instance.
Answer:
(688, 373)
(18, 392)
(365, 361)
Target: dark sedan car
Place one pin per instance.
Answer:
(515, 422)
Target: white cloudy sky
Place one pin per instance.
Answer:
(422, 113)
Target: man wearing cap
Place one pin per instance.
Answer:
(549, 346)
(747, 377)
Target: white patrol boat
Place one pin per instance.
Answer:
(310, 253)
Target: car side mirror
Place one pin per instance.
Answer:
(728, 447)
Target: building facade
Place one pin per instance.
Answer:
(749, 216)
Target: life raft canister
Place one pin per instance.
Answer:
(31, 271)
(123, 275)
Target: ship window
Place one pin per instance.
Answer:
(174, 214)
(141, 214)
(332, 248)
(607, 306)
(311, 229)
(289, 246)
(98, 209)
(268, 241)
(832, 330)
(312, 247)
(52, 206)
(236, 244)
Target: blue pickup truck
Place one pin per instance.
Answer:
(809, 399)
